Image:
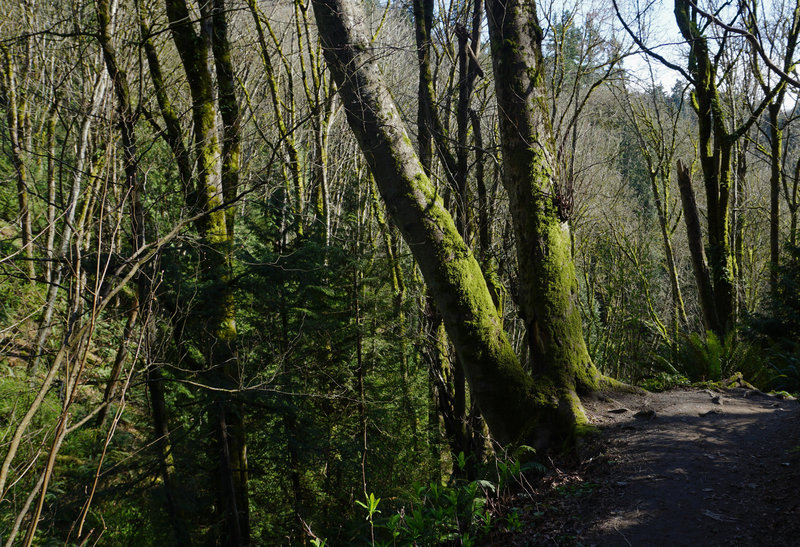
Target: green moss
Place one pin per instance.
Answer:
(585, 430)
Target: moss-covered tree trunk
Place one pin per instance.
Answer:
(775, 176)
(217, 180)
(695, 236)
(548, 287)
(515, 408)
(16, 113)
(715, 146)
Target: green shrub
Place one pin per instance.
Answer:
(461, 512)
(776, 330)
(712, 358)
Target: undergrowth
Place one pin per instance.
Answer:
(460, 512)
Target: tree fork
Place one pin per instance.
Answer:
(515, 408)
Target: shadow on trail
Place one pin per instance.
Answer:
(701, 474)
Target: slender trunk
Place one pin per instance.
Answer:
(739, 225)
(285, 131)
(229, 111)
(467, 73)
(694, 234)
(321, 175)
(678, 309)
(435, 359)
(488, 263)
(172, 127)
(776, 161)
(792, 203)
(52, 118)
(423, 21)
(69, 221)
(15, 119)
(22, 426)
(720, 254)
(441, 371)
(432, 135)
(77, 345)
(119, 79)
(484, 232)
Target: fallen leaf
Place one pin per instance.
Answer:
(717, 516)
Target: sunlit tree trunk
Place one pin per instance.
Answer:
(548, 287)
(217, 180)
(514, 407)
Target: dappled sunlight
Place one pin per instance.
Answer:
(684, 472)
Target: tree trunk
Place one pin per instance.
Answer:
(292, 157)
(15, 118)
(514, 408)
(217, 181)
(694, 234)
(715, 146)
(83, 146)
(429, 125)
(155, 386)
(548, 287)
(776, 163)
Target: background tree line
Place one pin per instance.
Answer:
(214, 328)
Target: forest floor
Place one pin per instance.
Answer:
(682, 467)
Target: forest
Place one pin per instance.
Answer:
(344, 272)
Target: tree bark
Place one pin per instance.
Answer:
(776, 163)
(715, 148)
(548, 288)
(514, 408)
(217, 181)
(431, 130)
(694, 234)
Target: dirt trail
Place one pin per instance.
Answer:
(692, 467)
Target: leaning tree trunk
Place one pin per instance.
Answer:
(695, 237)
(514, 407)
